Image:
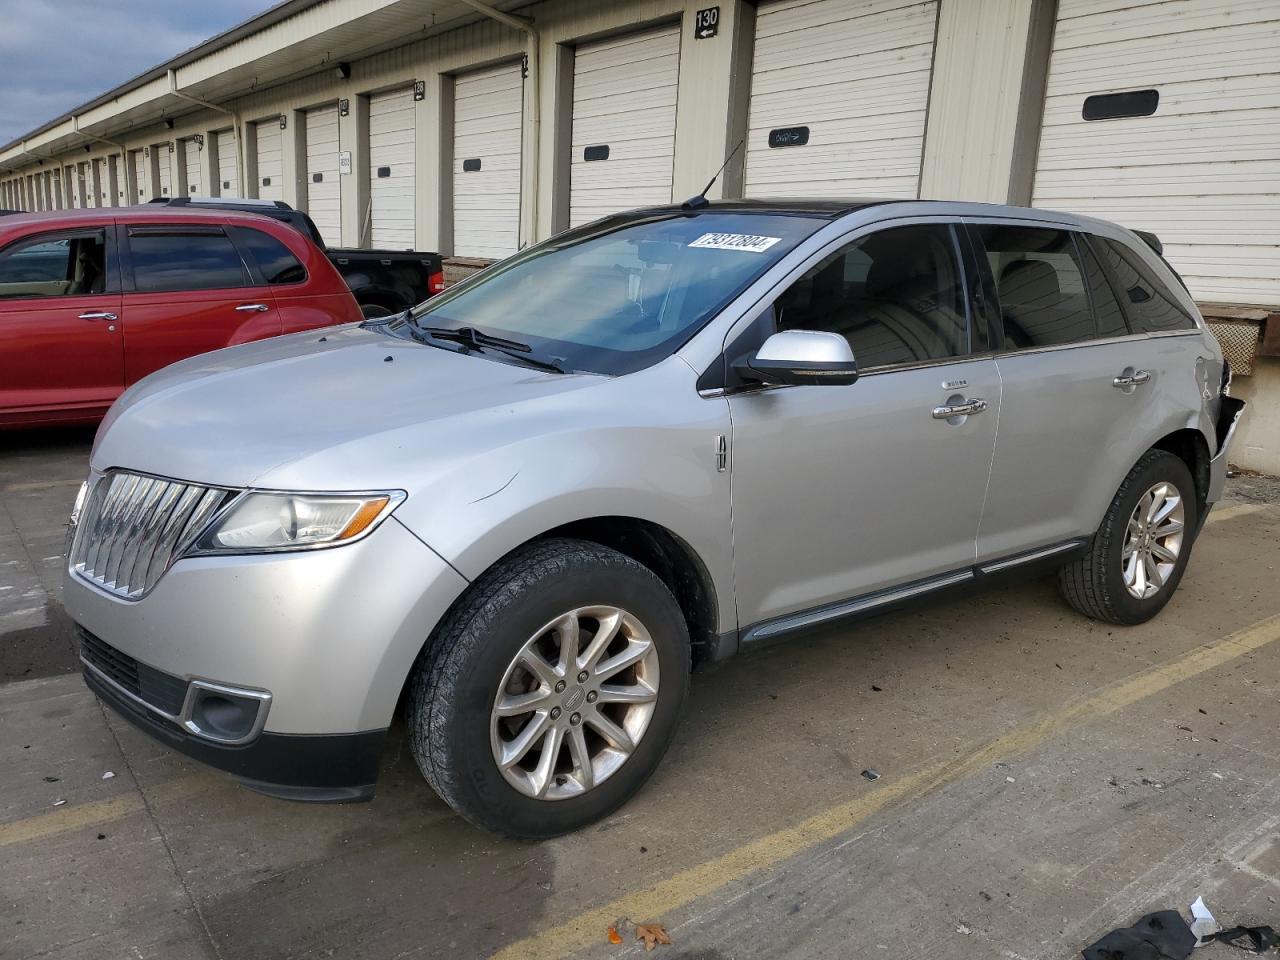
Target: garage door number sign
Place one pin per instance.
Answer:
(706, 23)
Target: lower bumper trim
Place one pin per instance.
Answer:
(325, 768)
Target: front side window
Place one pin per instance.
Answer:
(176, 260)
(274, 260)
(1040, 285)
(1149, 304)
(620, 294)
(61, 265)
(897, 296)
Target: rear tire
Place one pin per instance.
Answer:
(524, 608)
(1136, 561)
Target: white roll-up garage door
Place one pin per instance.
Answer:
(392, 149)
(104, 184)
(191, 155)
(324, 189)
(164, 165)
(624, 123)
(267, 143)
(1202, 170)
(228, 168)
(487, 113)
(839, 95)
(139, 178)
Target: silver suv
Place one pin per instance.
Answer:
(525, 509)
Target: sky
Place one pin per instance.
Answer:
(58, 54)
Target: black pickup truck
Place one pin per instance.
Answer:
(384, 282)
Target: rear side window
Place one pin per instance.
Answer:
(1040, 285)
(1150, 306)
(273, 259)
(1106, 308)
(176, 260)
(54, 265)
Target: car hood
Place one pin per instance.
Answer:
(342, 408)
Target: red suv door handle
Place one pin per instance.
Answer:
(253, 308)
(97, 315)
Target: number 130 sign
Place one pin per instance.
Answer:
(706, 23)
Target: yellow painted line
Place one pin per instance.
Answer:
(81, 815)
(652, 902)
(1239, 510)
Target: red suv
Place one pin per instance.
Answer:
(93, 300)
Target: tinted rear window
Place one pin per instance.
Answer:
(274, 260)
(177, 260)
(1150, 306)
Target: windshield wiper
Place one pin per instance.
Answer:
(473, 338)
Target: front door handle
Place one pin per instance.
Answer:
(967, 408)
(1131, 379)
(253, 308)
(97, 315)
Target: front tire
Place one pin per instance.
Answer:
(551, 691)
(1139, 554)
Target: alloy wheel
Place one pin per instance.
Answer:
(1153, 540)
(574, 702)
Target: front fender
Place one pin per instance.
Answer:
(629, 457)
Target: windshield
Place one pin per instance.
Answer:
(619, 295)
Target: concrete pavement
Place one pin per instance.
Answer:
(1043, 779)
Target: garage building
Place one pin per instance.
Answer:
(475, 128)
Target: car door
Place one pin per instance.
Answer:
(188, 291)
(848, 496)
(1082, 392)
(61, 343)
(305, 299)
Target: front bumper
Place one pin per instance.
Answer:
(330, 636)
(334, 768)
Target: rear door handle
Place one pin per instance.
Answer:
(253, 308)
(1131, 379)
(97, 315)
(969, 407)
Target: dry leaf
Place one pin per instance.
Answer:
(614, 936)
(652, 934)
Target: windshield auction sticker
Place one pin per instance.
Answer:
(734, 241)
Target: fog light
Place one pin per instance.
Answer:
(224, 714)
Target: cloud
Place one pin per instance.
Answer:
(58, 54)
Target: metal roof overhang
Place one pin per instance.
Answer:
(293, 39)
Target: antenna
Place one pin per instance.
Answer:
(700, 201)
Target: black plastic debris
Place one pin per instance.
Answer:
(1157, 936)
(1253, 939)
(870, 774)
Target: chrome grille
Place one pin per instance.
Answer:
(134, 526)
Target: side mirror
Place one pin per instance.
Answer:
(797, 357)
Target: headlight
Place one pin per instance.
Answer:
(260, 522)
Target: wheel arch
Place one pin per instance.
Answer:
(671, 559)
(666, 554)
(1190, 446)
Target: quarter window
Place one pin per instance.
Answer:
(1040, 285)
(1148, 302)
(65, 265)
(897, 296)
(171, 260)
(276, 263)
